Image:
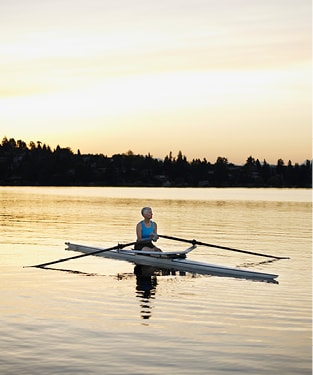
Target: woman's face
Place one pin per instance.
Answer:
(148, 214)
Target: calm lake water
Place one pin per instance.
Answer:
(90, 316)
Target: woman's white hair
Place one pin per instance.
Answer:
(144, 210)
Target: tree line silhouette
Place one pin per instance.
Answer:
(36, 164)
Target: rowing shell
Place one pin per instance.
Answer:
(172, 261)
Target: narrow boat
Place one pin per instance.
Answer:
(172, 261)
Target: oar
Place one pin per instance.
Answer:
(119, 246)
(194, 242)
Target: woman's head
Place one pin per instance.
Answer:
(145, 211)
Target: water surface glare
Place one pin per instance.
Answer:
(94, 316)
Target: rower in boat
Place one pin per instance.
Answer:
(147, 231)
(172, 261)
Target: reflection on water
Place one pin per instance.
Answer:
(145, 292)
(255, 264)
(68, 271)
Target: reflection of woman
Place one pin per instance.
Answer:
(145, 291)
(147, 231)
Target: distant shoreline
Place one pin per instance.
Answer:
(38, 165)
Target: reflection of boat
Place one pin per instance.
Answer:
(173, 261)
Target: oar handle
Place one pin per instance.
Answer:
(194, 242)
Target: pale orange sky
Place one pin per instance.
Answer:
(227, 78)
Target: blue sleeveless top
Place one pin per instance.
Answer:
(146, 232)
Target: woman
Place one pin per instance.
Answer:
(146, 231)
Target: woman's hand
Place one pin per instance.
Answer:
(154, 237)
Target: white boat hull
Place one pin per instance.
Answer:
(176, 264)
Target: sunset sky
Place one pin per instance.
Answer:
(211, 78)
